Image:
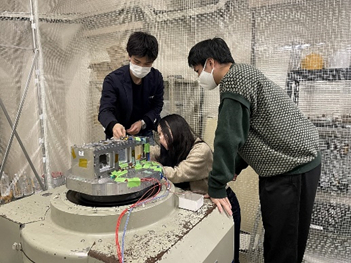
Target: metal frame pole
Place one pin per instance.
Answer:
(40, 84)
(18, 113)
(37, 65)
(22, 146)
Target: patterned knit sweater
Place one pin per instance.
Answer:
(260, 126)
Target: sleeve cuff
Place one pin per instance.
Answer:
(215, 188)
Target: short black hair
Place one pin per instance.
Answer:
(141, 44)
(215, 48)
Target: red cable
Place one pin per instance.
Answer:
(119, 254)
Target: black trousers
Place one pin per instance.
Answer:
(286, 206)
(237, 222)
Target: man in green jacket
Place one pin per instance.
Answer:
(258, 125)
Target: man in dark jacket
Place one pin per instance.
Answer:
(132, 96)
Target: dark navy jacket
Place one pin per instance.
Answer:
(116, 103)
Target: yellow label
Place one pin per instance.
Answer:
(83, 163)
(73, 153)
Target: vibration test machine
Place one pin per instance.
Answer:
(116, 206)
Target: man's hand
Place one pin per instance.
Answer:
(118, 131)
(223, 204)
(135, 128)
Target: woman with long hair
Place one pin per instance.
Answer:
(187, 162)
(185, 157)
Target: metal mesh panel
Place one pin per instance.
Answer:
(80, 41)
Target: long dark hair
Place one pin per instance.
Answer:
(180, 138)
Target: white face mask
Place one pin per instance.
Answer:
(206, 79)
(139, 71)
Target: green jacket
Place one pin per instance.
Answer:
(258, 125)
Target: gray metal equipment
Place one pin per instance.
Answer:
(78, 222)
